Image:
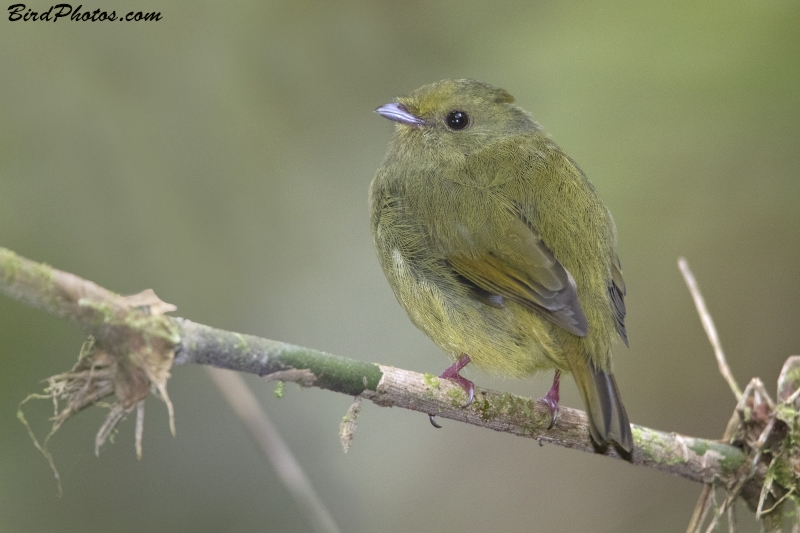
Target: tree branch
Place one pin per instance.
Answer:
(140, 338)
(695, 459)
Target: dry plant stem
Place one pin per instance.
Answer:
(246, 406)
(708, 325)
(700, 509)
(703, 502)
(699, 460)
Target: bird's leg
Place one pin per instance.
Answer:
(551, 399)
(451, 373)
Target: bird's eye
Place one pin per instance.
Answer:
(457, 120)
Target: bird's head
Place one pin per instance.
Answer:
(456, 115)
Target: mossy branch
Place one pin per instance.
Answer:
(144, 343)
(695, 459)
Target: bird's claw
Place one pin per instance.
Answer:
(551, 399)
(471, 392)
(553, 406)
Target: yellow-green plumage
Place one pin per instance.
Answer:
(498, 246)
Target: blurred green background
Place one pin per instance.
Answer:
(222, 157)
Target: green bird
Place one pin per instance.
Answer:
(499, 248)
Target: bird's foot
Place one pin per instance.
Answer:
(551, 399)
(451, 373)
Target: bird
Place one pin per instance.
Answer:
(499, 248)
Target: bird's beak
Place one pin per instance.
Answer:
(399, 113)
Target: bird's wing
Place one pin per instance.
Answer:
(617, 291)
(521, 268)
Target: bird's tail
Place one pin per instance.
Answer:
(608, 420)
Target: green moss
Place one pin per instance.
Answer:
(431, 381)
(786, 413)
(793, 376)
(102, 311)
(654, 446)
(637, 433)
(242, 344)
(279, 390)
(781, 473)
(457, 395)
(41, 278)
(43, 274)
(149, 326)
(698, 446)
(491, 407)
(159, 326)
(10, 265)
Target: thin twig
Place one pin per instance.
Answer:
(731, 519)
(780, 501)
(246, 406)
(708, 325)
(730, 431)
(703, 502)
(700, 509)
(716, 516)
